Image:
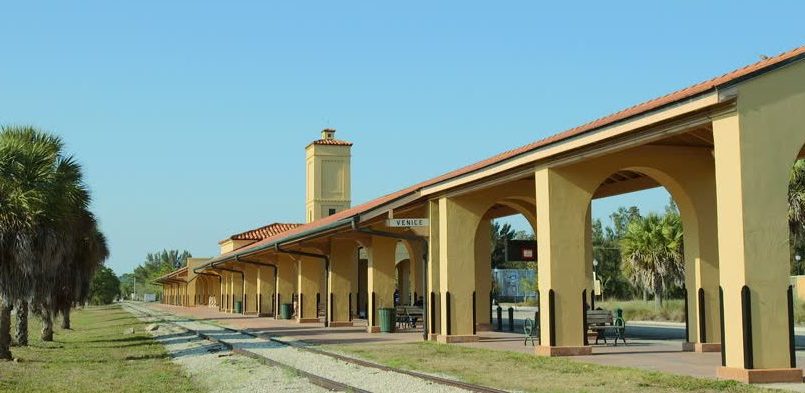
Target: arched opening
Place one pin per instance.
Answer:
(639, 258)
(506, 265)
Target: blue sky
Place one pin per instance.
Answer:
(191, 117)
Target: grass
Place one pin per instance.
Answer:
(529, 373)
(96, 356)
(639, 310)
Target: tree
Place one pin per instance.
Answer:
(72, 282)
(42, 202)
(28, 207)
(155, 265)
(652, 251)
(796, 214)
(105, 286)
(500, 234)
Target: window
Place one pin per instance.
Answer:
(331, 212)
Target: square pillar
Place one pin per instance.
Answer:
(433, 290)
(483, 277)
(381, 281)
(561, 233)
(286, 282)
(343, 270)
(752, 172)
(457, 232)
(310, 272)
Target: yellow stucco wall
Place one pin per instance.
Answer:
(755, 148)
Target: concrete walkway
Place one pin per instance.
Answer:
(653, 346)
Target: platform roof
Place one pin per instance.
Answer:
(345, 218)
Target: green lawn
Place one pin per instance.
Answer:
(96, 356)
(524, 372)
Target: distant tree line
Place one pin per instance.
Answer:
(155, 265)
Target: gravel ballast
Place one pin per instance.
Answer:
(366, 378)
(216, 368)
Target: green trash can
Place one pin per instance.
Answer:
(238, 307)
(286, 310)
(386, 319)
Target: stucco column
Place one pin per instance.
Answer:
(286, 281)
(561, 230)
(265, 289)
(751, 179)
(432, 293)
(483, 276)
(343, 267)
(380, 283)
(250, 289)
(457, 230)
(309, 279)
(588, 255)
(416, 271)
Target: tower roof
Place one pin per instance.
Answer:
(328, 138)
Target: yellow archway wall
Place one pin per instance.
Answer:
(462, 252)
(563, 198)
(755, 148)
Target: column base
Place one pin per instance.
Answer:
(764, 375)
(341, 324)
(373, 329)
(483, 327)
(307, 320)
(456, 339)
(432, 336)
(544, 350)
(701, 347)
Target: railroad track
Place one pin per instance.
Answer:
(317, 380)
(324, 382)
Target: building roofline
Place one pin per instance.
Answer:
(345, 217)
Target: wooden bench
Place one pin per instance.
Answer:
(408, 316)
(601, 322)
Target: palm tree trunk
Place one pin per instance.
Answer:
(65, 321)
(21, 335)
(657, 292)
(5, 332)
(47, 325)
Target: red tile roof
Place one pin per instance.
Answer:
(171, 274)
(263, 232)
(657, 103)
(331, 142)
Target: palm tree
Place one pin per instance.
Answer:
(652, 251)
(72, 283)
(796, 209)
(25, 167)
(64, 221)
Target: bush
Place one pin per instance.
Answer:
(105, 286)
(638, 310)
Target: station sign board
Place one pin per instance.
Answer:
(407, 222)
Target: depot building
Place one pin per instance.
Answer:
(723, 149)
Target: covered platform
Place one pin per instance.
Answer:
(723, 149)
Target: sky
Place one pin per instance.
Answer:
(191, 118)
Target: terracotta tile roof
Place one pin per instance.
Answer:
(171, 274)
(331, 142)
(263, 232)
(657, 103)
